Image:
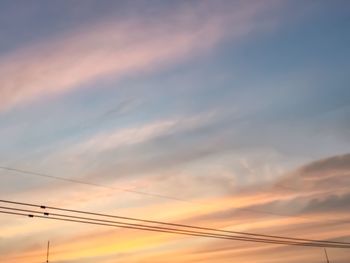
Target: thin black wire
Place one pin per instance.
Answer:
(121, 224)
(113, 225)
(172, 229)
(144, 193)
(199, 234)
(172, 224)
(163, 228)
(92, 184)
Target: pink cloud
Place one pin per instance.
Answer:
(113, 49)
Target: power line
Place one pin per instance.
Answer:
(92, 184)
(156, 229)
(188, 233)
(257, 237)
(154, 221)
(32, 213)
(21, 171)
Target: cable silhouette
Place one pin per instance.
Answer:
(122, 224)
(145, 193)
(92, 184)
(188, 233)
(154, 221)
(210, 232)
(163, 230)
(32, 213)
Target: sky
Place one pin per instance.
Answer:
(225, 114)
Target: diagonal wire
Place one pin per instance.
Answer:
(167, 224)
(44, 175)
(177, 231)
(21, 171)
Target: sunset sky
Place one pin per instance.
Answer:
(220, 113)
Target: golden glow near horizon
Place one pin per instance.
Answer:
(230, 115)
(252, 210)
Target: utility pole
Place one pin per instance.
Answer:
(48, 251)
(325, 252)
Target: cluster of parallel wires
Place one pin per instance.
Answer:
(100, 219)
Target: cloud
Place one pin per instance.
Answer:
(327, 167)
(302, 201)
(139, 134)
(113, 49)
(328, 174)
(314, 214)
(127, 136)
(332, 203)
(138, 148)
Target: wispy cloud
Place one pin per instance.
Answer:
(264, 210)
(114, 49)
(227, 139)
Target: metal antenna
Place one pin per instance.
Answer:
(48, 251)
(325, 252)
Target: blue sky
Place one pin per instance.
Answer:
(160, 95)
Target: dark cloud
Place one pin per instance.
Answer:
(333, 203)
(335, 164)
(322, 175)
(325, 195)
